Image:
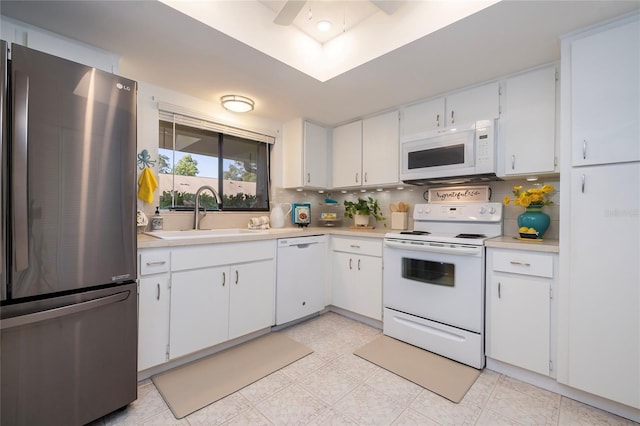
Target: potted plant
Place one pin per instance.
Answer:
(362, 209)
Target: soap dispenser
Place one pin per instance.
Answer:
(156, 221)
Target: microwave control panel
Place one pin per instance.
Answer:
(485, 155)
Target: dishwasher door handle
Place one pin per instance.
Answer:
(303, 245)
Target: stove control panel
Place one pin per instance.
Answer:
(464, 212)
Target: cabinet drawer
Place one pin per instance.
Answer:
(524, 263)
(365, 246)
(204, 256)
(154, 261)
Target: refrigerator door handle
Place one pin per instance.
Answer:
(63, 311)
(19, 192)
(3, 169)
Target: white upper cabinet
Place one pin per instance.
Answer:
(305, 155)
(347, 155)
(528, 137)
(365, 152)
(380, 148)
(605, 96)
(423, 117)
(465, 107)
(468, 106)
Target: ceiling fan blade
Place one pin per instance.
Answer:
(289, 12)
(387, 6)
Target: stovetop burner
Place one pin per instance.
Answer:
(415, 232)
(471, 236)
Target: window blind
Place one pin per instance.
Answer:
(173, 113)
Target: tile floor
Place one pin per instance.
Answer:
(334, 387)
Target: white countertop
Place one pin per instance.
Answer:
(548, 246)
(147, 241)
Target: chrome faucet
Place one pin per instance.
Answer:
(196, 213)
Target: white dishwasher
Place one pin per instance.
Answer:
(300, 277)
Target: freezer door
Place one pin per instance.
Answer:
(69, 360)
(72, 176)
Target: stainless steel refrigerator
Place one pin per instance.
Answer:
(68, 305)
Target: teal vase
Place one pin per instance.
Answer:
(535, 218)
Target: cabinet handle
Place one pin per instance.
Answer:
(452, 117)
(366, 178)
(513, 262)
(584, 178)
(513, 162)
(158, 291)
(224, 278)
(237, 276)
(308, 177)
(357, 177)
(160, 262)
(499, 288)
(437, 120)
(358, 264)
(350, 266)
(584, 149)
(354, 246)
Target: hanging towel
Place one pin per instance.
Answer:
(148, 183)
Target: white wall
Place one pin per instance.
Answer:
(23, 34)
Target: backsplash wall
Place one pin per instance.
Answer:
(414, 195)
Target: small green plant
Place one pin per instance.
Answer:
(368, 207)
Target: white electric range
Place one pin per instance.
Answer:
(434, 280)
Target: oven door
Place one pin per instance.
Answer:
(442, 283)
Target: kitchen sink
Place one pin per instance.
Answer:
(204, 233)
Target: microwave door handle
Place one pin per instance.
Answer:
(19, 195)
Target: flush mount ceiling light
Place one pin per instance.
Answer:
(237, 103)
(323, 26)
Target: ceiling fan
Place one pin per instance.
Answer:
(291, 9)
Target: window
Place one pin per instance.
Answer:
(191, 156)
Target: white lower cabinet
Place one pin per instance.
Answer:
(153, 320)
(357, 275)
(199, 309)
(206, 295)
(519, 295)
(251, 298)
(153, 307)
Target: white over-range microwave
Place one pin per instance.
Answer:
(457, 155)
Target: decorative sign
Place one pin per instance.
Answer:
(459, 194)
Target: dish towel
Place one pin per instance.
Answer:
(147, 184)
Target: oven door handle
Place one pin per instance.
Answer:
(435, 248)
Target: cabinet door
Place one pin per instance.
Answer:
(345, 289)
(605, 96)
(153, 321)
(528, 121)
(315, 156)
(252, 298)
(199, 309)
(292, 154)
(380, 148)
(604, 295)
(347, 155)
(369, 286)
(423, 117)
(518, 324)
(469, 106)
